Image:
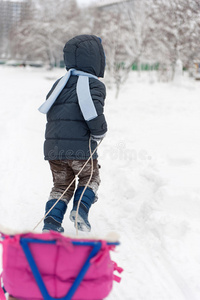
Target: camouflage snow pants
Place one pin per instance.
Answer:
(64, 171)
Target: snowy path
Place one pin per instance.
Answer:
(150, 192)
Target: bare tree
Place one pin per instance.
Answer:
(125, 30)
(106, 24)
(43, 35)
(175, 30)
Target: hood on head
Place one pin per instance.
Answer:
(85, 53)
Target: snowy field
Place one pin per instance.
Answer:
(150, 191)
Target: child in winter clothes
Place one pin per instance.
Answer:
(74, 117)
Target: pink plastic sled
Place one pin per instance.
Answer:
(51, 266)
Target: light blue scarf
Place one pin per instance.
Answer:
(83, 92)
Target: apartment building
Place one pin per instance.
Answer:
(11, 13)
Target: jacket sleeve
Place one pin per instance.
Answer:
(98, 125)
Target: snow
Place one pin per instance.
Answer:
(150, 170)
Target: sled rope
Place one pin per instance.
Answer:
(91, 173)
(91, 154)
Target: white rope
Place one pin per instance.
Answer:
(91, 173)
(91, 154)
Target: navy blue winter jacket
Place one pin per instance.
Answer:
(67, 133)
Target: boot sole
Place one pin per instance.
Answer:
(80, 222)
(46, 228)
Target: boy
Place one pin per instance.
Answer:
(75, 116)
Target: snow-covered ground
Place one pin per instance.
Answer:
(150, 191)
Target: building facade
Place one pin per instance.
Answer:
(11, 13)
